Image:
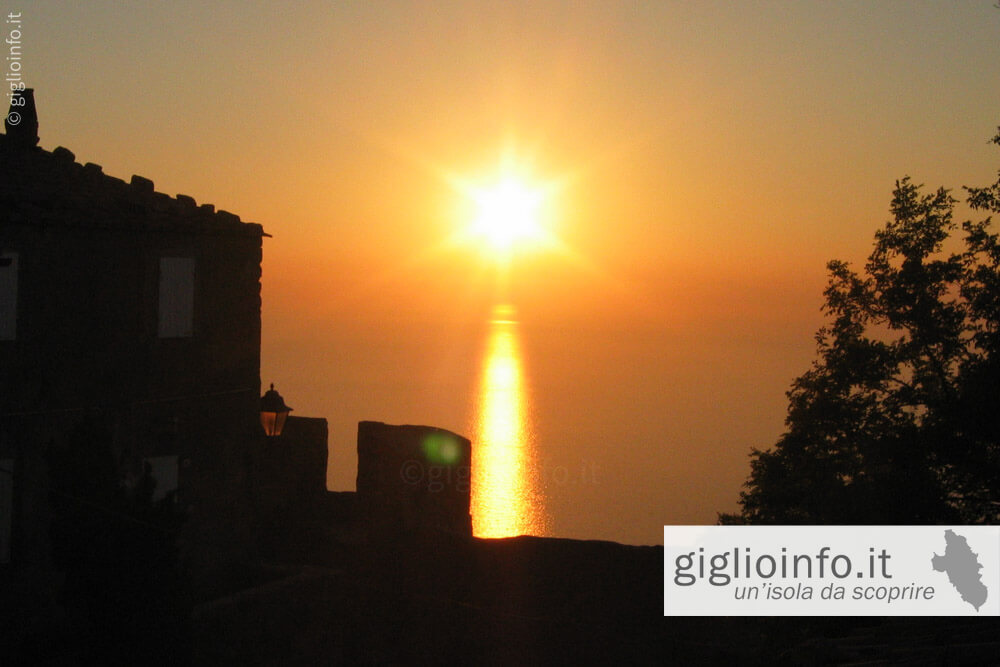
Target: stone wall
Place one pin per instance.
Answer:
(413, 479)
(294, 464)
(290, 477)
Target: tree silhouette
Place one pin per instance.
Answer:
(898, 420)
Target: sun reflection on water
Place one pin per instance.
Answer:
(505, 496)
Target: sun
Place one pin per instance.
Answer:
(508, 213)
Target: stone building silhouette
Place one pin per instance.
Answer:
(130, 326)
(138, 314)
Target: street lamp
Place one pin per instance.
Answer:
(273, 412)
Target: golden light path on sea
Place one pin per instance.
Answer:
(506, 499)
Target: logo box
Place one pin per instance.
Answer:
(831, 570)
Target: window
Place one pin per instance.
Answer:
(8, 296)
(163, 470)
(176, 311)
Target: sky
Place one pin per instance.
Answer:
(706, 160)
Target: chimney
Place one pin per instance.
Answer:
(22, 120)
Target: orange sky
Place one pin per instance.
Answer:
(713, 157)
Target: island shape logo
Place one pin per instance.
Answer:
(962, 565)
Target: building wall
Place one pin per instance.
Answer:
(290, 490)
(87, 343)
(413, 479)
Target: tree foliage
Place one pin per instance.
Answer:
(898, 419)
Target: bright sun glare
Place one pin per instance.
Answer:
(508, 213)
